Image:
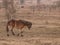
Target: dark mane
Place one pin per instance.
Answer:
(25, 22)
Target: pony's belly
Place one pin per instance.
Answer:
(19, 26)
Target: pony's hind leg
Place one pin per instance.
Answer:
(7, 33)
(12, 31)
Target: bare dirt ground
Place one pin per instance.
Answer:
(32, 37)
(45, 30)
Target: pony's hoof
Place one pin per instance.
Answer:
(7, 34)
(13, 33)
(21, 35)
(17, 34)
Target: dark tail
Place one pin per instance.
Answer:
(7, 30)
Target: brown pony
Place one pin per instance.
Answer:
(19, 24)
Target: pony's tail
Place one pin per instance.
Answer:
(7, 29)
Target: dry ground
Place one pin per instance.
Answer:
(45, 29)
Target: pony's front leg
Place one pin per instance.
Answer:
(21, 33)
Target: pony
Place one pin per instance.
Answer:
(19, 24)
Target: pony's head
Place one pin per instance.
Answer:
(29, 25)
(26, 23)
